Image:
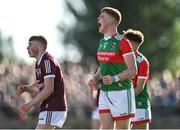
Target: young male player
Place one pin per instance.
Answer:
(143, 111)
(117, 66)
(49, 81)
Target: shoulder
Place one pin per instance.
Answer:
(48, 59)
(124, 40)
(142, 59)
(118, 37)
(125, 45)
(145, 59)
(47, 56)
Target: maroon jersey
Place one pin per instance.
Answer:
(47, 67)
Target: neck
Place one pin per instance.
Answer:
(110, 32)
(40, 54)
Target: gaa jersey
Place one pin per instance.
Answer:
(110, 57)
(142, 99)
(47, 67)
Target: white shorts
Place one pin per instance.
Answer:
(142, 116)
(53, 118)
(95, 114)
(121, 104)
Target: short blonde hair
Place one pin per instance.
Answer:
(113, 12)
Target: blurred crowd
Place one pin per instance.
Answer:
(164, 88)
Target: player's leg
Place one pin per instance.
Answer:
(44, 126)
(123, 124)
(144, 126)
(106, 119)
(142, 119)
(122, 106)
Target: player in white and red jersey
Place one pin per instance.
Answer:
(49, 80)
(143, 111)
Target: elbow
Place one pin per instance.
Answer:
(138, 90)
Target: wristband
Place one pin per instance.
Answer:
(116, 78)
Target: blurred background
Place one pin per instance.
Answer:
(71, 29)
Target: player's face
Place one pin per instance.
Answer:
(104, 22)
(33, 48)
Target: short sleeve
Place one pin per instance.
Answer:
(143, 71)
(125, 46)
(49, 68)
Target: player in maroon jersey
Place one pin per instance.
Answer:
(49, 81)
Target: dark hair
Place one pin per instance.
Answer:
(134, 35)
(40, 39)
(113, 12)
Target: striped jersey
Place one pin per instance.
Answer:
(110, 57)
(47, 67)
(142, 99)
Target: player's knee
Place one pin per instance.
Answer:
(43, 126)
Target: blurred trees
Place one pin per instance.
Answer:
(6, 48)
(158, 20)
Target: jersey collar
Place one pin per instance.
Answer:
(39, 60)
(107, 38)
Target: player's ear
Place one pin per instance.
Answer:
(40, 46)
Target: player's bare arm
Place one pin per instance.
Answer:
(97, 76)
(131, 67)
(92, 82)
(140, 86)
(46, 91)
(128, 73)
(26, 88)
(41, 96)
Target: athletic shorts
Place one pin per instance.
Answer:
(142, 116)
(121, 104)
(95, 114)
(53, 118)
